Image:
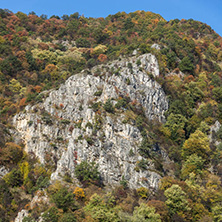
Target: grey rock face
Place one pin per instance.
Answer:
(40, 198)
(213, 130)
(66, 129)
(21, 215)
(65, 43)
(156, 46)
(215, 127)
(3, 171)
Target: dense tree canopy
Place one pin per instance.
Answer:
(38, 53)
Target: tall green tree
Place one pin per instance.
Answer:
(63, 199)
(145, 213)
(198, 143)
(176, 200)
(194, 164)
(176, 126)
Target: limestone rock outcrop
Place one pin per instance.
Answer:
(67, 128)
(3, 171)
(21, 215)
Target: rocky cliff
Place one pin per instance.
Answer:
(71, 125)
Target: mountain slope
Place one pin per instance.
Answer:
(147, 109)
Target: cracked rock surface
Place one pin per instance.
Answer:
(64, 129)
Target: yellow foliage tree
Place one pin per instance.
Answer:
(143, 192)
(2, 40)
(25, 169)
(15, 85)
(198, 143)
(193, 164)
(100, 49)
(79, 193)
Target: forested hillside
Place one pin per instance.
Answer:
(38, 54)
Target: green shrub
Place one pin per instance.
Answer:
(145, 147)
(30, 122)
(42, 182)
(87, 173)
(28, 219)
(46, 118)
(82, 42)
(176, 200)
(14, 178)
(89, 141)
(31, 97)
(32, 184)
(65, 121)
(138, 62)
(67, 177)
(219, 133)
(143, 192)
(5, 194)
(140, 122)
(91, 62)
(67, 217)
(95, 106)
(98, 93)
(11, 154)
(142, 164)
(124, 182)
(89, 125)
(145, 213)
(128, 81)
(186, 65)
(102, 209)
(63, 199)
(123, 102)
(51, 215)
(108, 106)
(131, 153)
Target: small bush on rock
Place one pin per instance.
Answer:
(87, 173)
